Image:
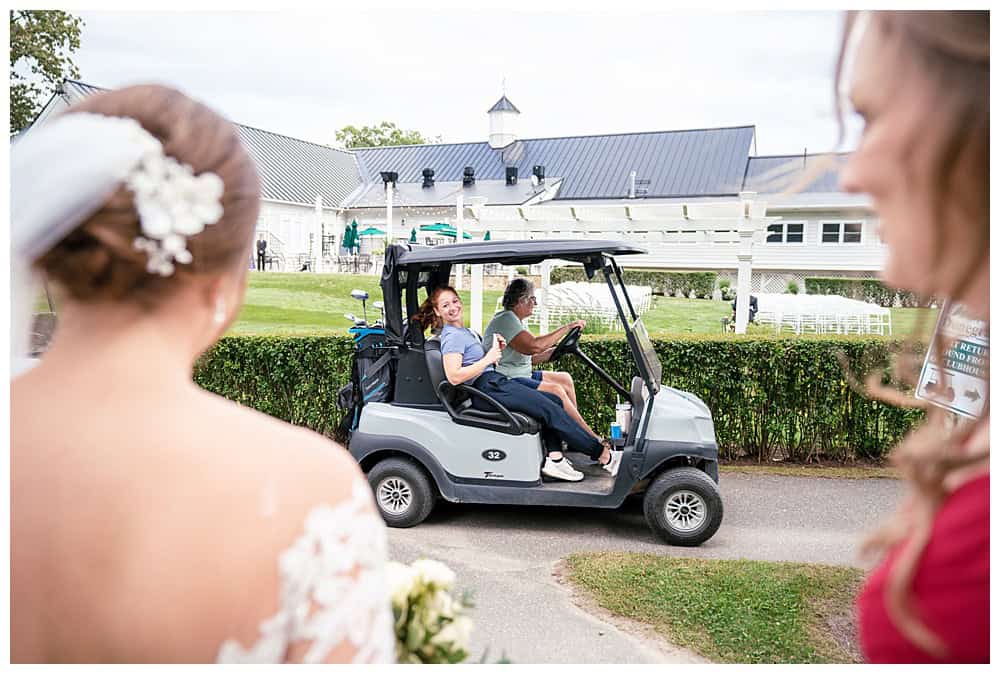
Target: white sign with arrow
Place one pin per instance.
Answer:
(961, 383)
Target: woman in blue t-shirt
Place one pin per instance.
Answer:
(467, 362)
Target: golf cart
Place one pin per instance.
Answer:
(419, 438)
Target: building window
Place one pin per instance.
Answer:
(786, 232)
(841, 232)
(852, 232)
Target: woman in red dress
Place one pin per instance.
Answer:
(920, 80)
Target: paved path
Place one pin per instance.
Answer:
(506, 556)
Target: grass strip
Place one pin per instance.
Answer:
(734, 611)
(800, 470)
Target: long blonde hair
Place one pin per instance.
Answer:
(953, 51)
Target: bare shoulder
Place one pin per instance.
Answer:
(289, 481)
(276, 443)
(284, 472)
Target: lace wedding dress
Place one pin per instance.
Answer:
(333, 592)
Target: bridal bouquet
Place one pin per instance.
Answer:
(430, 624)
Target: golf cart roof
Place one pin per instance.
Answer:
(512, 252)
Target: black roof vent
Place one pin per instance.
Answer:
(539, 172)
(428, 174)
(468, 176)
(511, 175)
(389, 177)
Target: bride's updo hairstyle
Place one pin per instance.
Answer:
(98, 261)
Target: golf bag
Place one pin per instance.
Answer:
(371, 376)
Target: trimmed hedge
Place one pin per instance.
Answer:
(770, 397)
(866, 290)
(291, 378)
(701, 283)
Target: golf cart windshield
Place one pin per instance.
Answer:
(647, 353)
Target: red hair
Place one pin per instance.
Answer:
(425, 315)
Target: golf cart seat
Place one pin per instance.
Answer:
(457, 400)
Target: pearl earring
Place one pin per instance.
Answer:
(220, 311)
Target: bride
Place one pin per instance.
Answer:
(153, 521)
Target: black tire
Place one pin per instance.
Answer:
(686, 489)
(405, 484)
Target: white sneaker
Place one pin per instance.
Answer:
(561, 470)
(615, 463)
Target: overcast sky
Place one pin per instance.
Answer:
(438, 71)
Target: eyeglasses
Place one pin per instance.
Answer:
(532, 299)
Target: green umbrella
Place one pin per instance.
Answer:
(346, 243)
(436, 227)
(371, 231)
(355, 241)
(413, 235)
(444, 230)
(487, 237)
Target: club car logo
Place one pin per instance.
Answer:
(494, 455)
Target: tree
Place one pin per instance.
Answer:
(381, 135)
(41, 47)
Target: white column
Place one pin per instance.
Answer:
(318, 266)
(744, 262)
(476, 298)
(459, 228)
(339, 233)
(543, 301)
(389, 187)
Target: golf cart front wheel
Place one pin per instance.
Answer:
(403, 493)
(683, 506)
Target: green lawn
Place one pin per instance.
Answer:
(734, 611)
(291, 303)
(296, 303)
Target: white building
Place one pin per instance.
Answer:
(643, 186)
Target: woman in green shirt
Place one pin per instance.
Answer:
(525, 350)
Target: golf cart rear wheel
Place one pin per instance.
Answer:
(403, 492)
(683, 506)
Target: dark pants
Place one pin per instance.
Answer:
(260, 261)
(545, 407)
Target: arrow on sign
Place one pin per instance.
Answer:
(972, 395)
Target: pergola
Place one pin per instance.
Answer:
(746, 216)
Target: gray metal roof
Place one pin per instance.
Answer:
(290, 169)
(685, 164)
(773, 174)
(77, 90)
(700, 162)
(504, 105)
(496, 193)
(296, 170)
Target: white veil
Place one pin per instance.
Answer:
(61, 173)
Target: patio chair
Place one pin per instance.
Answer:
(878, 320)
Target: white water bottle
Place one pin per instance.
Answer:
(623, 416)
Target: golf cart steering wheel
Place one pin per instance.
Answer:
(567, 344)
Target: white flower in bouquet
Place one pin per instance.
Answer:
(457, 632)
(435, 573)
(401, 579)
(429, 622)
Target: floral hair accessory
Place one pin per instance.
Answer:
(173, 204)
